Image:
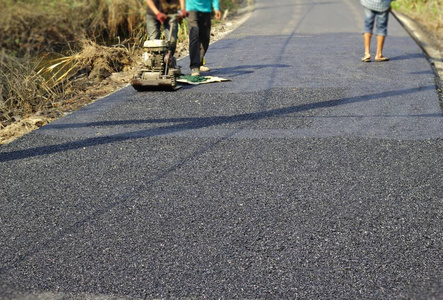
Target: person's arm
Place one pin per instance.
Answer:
(216, 6)
(152, 6)
(182, 13)
(182, 5)
(161, 17)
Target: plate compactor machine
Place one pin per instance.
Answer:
(159, 70)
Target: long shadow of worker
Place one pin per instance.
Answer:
(191, 123)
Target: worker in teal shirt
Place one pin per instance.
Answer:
(199, 26)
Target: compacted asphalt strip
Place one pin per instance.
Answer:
(310, 175)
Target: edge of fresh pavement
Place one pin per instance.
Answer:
(434, 55)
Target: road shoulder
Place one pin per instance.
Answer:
(429, 47)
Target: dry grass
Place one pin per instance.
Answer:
(36, 26)
(429, 13)
(22, 90)
(59, 86)
(97, 61)
(432, 9)
(29, 27)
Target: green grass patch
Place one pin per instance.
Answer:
(432, 10)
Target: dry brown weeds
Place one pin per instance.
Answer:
(30, 27)
(30, 99)
(66, 83)
(22, 90)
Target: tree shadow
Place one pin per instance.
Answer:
(184, 124)
(407, 56)
(428, 72)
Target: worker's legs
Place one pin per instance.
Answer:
(380, 43)
(204, 23)
(367, 32)
(153, 26)
(199, 25)
(382, 32)
(194, 43)
(367, 42)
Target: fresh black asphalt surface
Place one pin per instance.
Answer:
(310, 175)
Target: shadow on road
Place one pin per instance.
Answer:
(185, 124)
(246, 69)
(407, 56)
(188, 124)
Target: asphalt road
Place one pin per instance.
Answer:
(310, 175)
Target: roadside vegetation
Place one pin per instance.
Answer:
(55, 55)
(428, 13)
